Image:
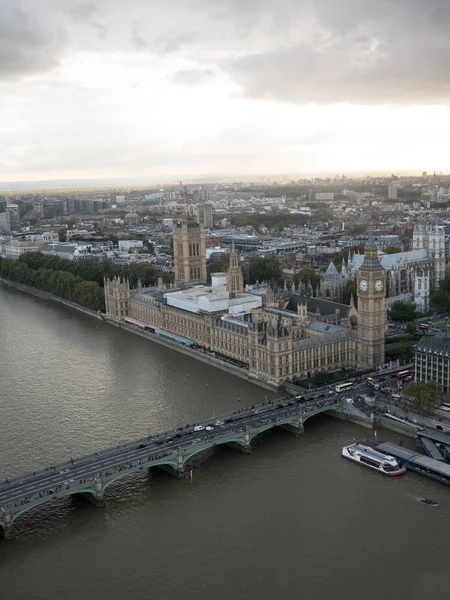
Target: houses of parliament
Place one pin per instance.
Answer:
(276, 338)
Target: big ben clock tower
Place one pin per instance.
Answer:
(371, 282)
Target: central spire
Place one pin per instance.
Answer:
(235, 279)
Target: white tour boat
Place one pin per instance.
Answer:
(372, 459)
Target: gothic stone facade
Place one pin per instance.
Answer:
(189, 248)
(277, 345)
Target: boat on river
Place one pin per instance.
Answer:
(372, 459)
(430, 502)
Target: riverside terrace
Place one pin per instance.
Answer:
(91, 475)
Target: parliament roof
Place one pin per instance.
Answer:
(314, 305)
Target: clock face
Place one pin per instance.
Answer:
(378, 285)
(363, 285)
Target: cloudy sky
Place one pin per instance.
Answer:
(120, 88)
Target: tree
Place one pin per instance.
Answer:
(62, 235)
(307, 275)
(441, 297)
(392, 250)
(400, 311)
(349, 291)
(400, 350)
(58, 282)
(424, 398)
(343, 254)
(321, 378)
(264, 269)
(358, 228)
(410, 328)
(218, 265)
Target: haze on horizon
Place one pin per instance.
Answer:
(91, 89)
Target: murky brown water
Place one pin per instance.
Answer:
(292, 520)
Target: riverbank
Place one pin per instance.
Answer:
(357, 417)
(48, 296)
(210, 360)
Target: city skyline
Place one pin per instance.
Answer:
(206, 88)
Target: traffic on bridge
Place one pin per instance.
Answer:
(91, 475)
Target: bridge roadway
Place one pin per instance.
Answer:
(91, 475)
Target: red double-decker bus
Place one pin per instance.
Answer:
(403, 374)
(424, 327)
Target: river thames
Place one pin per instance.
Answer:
(292, 520)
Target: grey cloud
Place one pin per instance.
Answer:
(83, 10)
(27, 45)
(101, 30)
(297, 51)
(363, 71)
(163, 45)
(193, 76)
(138, 42)
(367, 52)
(172, 43)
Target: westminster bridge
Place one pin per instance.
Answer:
(91, 475)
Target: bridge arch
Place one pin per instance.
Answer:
(17, 512)
(317, 412)
(170, 461)
(106, 483)
(239, 440)
(263, 429)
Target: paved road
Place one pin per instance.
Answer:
(44, 483)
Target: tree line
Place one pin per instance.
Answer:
(80, 281)
(97, 271)
(423, 397)
(61, 283)
(441, 297)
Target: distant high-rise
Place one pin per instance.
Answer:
(14, 216)
(3, 204)
(392, 191)
(189, 247)
(5, 222)
(209, 212)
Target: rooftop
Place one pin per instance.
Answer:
(331, 272)
(326, 328)
(326, 339)
(208, 299)
(430, 463)
(434, 342)
(389, 261)
(314, 305)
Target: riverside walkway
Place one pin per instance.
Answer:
(91, 475)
